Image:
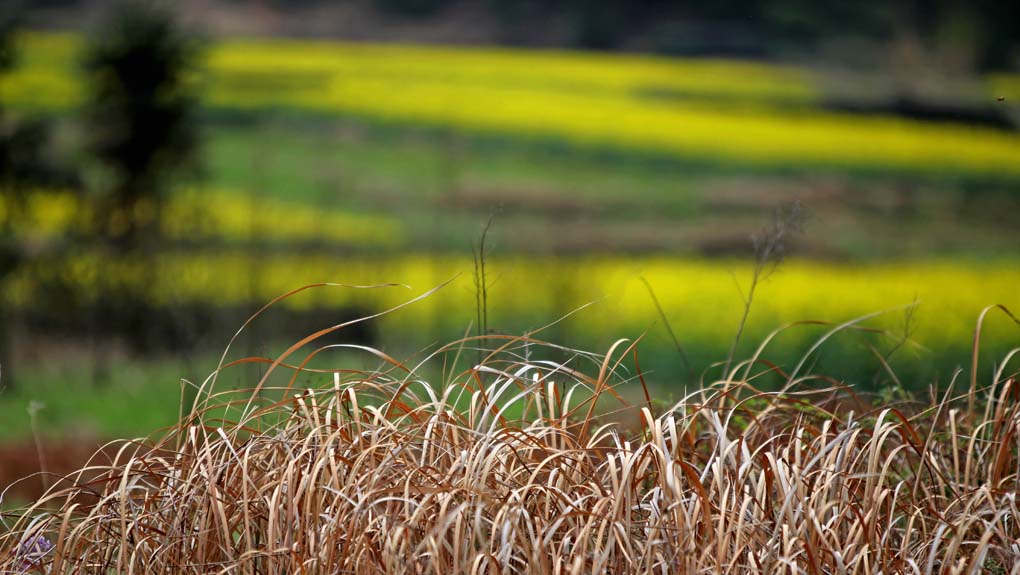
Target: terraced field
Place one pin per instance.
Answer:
(366, 164)
(717, 111)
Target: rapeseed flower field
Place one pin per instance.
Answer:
(292, 202)
(220, 215)
(728, 112)
(701, 298)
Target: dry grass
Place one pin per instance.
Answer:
(516, 465)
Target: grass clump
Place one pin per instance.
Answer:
(518, 464)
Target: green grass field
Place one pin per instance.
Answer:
(442, 185)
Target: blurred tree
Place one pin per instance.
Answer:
(10, 195)
(141, 136)
(140, 120)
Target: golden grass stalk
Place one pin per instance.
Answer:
(508, 466)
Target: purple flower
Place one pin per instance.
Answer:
(33, 550)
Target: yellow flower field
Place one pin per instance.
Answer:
(223, 216)
(711, 110)
(701, 298)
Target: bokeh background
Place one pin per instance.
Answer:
(167, 169)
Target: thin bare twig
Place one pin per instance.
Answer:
(481, 282)
(669, 328)
(770, 249)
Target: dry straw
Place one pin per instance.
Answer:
(516, 465)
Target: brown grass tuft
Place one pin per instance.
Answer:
(505, 467)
